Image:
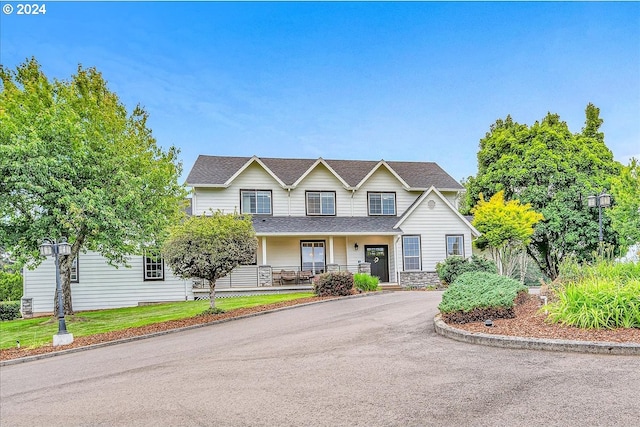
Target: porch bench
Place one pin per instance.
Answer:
(288, 276)
(305, 276)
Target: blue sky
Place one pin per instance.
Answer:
(394, 81)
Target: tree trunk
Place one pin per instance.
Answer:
(212, 294)
(65, 277)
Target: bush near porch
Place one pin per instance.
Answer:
(477, 296)
(333, 284)
(454, 266)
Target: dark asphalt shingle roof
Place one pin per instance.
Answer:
(326, 225)
(216, 170)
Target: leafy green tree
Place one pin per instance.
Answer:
(554, 170)
(506, 227)
(208, 247)
(625, 214)
(75, 164)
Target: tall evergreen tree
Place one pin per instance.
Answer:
(553, 170)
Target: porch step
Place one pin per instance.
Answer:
(390, 287)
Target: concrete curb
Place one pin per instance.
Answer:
(504, 341)
(171, 331)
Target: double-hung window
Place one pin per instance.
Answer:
(455, 245)
(153, 265)
(411, 252)
(321, 203)
(382, 203)
(255, 202)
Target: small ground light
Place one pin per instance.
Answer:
(488, 323)
(17, 344)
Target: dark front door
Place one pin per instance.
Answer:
(377, 256)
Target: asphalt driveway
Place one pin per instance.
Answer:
(372, 361)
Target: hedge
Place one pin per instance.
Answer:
(10, 310)
(480, 290)
(454, 266)
(10, 286)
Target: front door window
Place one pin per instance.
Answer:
(377, 257)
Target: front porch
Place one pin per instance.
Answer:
(264, 279)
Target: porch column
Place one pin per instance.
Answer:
(264, 250)
(330, 249)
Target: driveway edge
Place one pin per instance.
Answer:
(171, 331)
(504, 341)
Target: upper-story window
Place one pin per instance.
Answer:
(321, 203)
(455, 245)
(382, 203)
(255, 202)
(153, 265)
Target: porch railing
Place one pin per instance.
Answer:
(249, 276)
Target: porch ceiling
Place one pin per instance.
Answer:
(273, 225)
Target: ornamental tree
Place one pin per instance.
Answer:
(208, 247)
(506, 227)
(555, 171)
(74, 163)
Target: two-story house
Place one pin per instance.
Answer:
(396, 220)
(317, 215)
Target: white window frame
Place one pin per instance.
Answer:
(259, 197)
(322, 197)
(305, 244)
(152, 265)
(450, 246)
(406, 246)
(382, 195)
(75, 272)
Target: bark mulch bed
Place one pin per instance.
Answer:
(14, 353)
(530, 322)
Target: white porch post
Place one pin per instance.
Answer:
(264, 250)
(330, 249)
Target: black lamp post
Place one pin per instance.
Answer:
(55, 249)
(601, 201)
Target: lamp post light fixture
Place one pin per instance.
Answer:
(603, 200)
(56, 249)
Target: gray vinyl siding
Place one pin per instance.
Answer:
(244, 276)
(433, 225)
(104, 286)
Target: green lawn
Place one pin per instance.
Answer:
(39, 331)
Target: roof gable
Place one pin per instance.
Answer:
(423, 197)
(380, 164)
(318, 162)
(251, 161)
